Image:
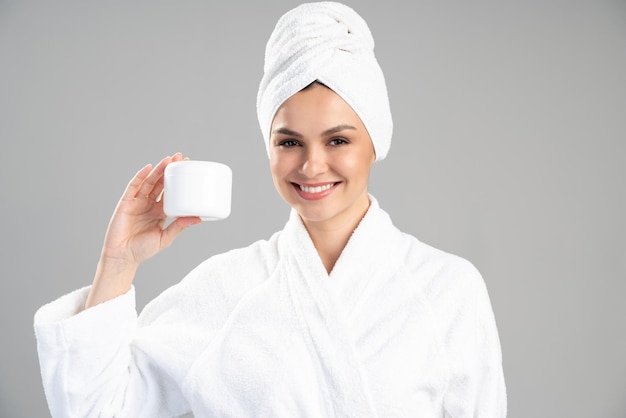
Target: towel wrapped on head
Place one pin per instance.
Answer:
(330, 43)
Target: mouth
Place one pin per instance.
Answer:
(314, 191)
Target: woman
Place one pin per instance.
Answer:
(338, 314)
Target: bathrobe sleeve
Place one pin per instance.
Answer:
(476, 386)
(108, 361)
(90, 366)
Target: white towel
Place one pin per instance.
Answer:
(327, 42)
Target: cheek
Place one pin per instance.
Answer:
(280, 165)
(368, 159)
(358, 164)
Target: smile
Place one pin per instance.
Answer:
(314, 191)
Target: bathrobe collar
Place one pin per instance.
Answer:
(326, 305)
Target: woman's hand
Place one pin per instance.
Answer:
(135, 233)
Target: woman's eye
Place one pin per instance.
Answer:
(288, 143)
(338, 141)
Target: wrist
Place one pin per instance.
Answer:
(113, 278)
(111, 265)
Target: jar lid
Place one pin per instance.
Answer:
(195, 167)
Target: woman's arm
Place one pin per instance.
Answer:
(476, 386)
(135, 233)
(92, 363)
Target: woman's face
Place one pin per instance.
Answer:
(320, 156)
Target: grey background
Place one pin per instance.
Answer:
(510, 122)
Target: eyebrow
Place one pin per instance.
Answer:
(327, 132)
(336, 129)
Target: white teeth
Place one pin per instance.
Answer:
(317, 189)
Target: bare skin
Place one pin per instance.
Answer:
(317, 141)
(135, 233)
(320, 144)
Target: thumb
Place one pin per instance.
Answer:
(177, 226)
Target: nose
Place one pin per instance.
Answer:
(315, 162)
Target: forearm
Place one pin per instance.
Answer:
(112, 279)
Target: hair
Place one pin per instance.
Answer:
(308, 86)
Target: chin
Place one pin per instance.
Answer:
(314, 212)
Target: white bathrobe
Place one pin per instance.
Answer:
(398, 329)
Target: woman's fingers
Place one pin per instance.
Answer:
(152, 185)
(136, 182)
(148, 182)
(157, 190)
(153, 178)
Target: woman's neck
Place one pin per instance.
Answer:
(331, 236)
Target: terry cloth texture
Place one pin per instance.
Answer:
(330, 43)
(397, 329)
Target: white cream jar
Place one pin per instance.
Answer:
(197, 188)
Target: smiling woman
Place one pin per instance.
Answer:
(320, 157)
(338, 314)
